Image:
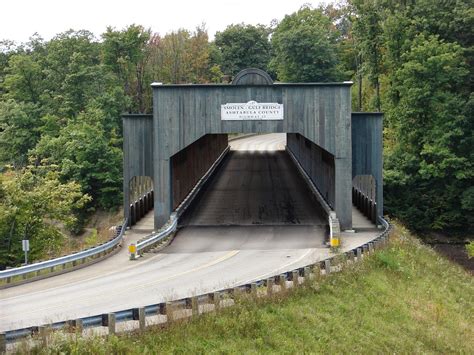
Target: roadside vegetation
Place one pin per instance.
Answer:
(403, 299)
(61, 102)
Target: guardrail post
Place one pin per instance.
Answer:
(327, 266)
(76, 325)
(295, 278)
(306, 273)
(371, 247)
(162, 309)
(193, 303)
(141, 318)
(215, 298)
(235, 292)
(317, 271)
(3, 343)
(270, 282)
(139, 315)
(111, 322)
(282, 282)
(169, 312)
(365, 249)
(43, 331)
(350, 256)
(253, 289)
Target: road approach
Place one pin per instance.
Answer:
(253, 220)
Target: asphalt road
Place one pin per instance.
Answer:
(255, 188)
(205, 255)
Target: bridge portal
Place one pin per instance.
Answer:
(188, 131)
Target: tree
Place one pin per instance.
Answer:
(87, 156)
(369, 33)
(33, 203)
(19, 131)
(24, 79)
(243, 46)
(126, 53)
(305, 49)
(183, 57)
(433, 155)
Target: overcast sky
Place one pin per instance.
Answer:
(19, 19)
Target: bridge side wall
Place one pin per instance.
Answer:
(190, 164)
(318, 164)
(137, 152)
(367, 150)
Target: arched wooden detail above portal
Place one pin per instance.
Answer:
(252, 76)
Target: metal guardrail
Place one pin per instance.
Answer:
(63, 260)
(154, 238)
(296, 277)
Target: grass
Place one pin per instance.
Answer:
(403, 299)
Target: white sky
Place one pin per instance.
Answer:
(19, 19)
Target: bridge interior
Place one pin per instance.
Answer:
(255, 185)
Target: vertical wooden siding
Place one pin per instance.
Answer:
(318, 164)
(191, 163)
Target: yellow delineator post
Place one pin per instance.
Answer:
(334, 231)
(132, 249)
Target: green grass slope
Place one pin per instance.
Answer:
(403, 299)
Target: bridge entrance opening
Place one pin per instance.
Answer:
(256, 184)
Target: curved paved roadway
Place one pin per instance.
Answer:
(263, 238)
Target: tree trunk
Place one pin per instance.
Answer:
(377, 87)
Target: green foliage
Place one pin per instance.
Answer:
(368, 30)
(183, 56)
(86, 155)
(92, 239)
(24, 79)
(62, 99)
(126, 53)
(305, 49)
(19, 130)
(470, 249)
(33, 205)
(418, 59)
(243, 46)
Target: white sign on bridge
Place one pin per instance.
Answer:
(252, 111)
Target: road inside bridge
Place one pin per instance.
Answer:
(272, 226)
